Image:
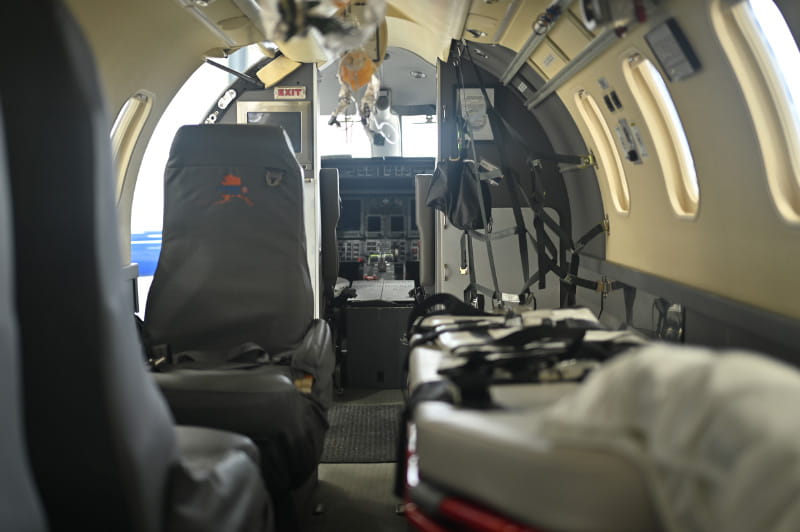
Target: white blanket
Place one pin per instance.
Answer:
(718, 433)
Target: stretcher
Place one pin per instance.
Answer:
(654, 437)
(474, 460)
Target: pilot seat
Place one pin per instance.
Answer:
(229, 323)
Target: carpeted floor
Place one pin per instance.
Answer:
(362, 433)
(357, 496)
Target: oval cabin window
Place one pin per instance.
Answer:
(607, 154)
(669, 137)
(126, 130)
(766, 60)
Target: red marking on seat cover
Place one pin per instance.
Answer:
(230, 188)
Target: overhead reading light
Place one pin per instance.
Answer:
(477, 33)
(416, 74)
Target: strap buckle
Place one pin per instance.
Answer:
(160, 356)
(604, 286)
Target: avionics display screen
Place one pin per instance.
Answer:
(397, 224)
(291, 121)
(373, 224)
(350, 217)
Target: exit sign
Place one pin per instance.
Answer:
(290, 93)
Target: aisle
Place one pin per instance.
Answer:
(358, 496)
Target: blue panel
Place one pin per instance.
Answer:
(145, 250)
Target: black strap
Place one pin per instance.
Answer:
(489, 251)
(450, 304)
(569, 329)
(471, 292)
(543, 242)
(629, 294)
(465, 264)
(589, 236)
(243, 356)
(498, 130)
(547, 253)
(473, 326)
(561, 330)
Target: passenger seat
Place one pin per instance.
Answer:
(104, 451)
(20, 508)
(229, 317)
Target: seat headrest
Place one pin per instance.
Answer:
(234, 243)
(219, 144)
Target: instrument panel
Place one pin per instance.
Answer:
(377, 233)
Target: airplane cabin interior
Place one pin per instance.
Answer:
(389, 265)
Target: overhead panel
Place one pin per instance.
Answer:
(521, 26)
(575, 11)
(540, 25)
(569, 35)
(484, 18)
(548, 59)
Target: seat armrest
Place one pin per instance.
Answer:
(199, 443)
(216, 484)
(315, 356)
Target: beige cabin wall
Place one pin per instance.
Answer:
(738, 246)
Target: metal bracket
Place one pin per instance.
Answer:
(566, 162)
(604, 286)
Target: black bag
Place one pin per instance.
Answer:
(455, 191)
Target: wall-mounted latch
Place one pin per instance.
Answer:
(308, 172)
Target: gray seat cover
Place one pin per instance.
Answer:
(101, 440)
(330, 207)
(19, 506)
(207, 293)
(233, 271)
